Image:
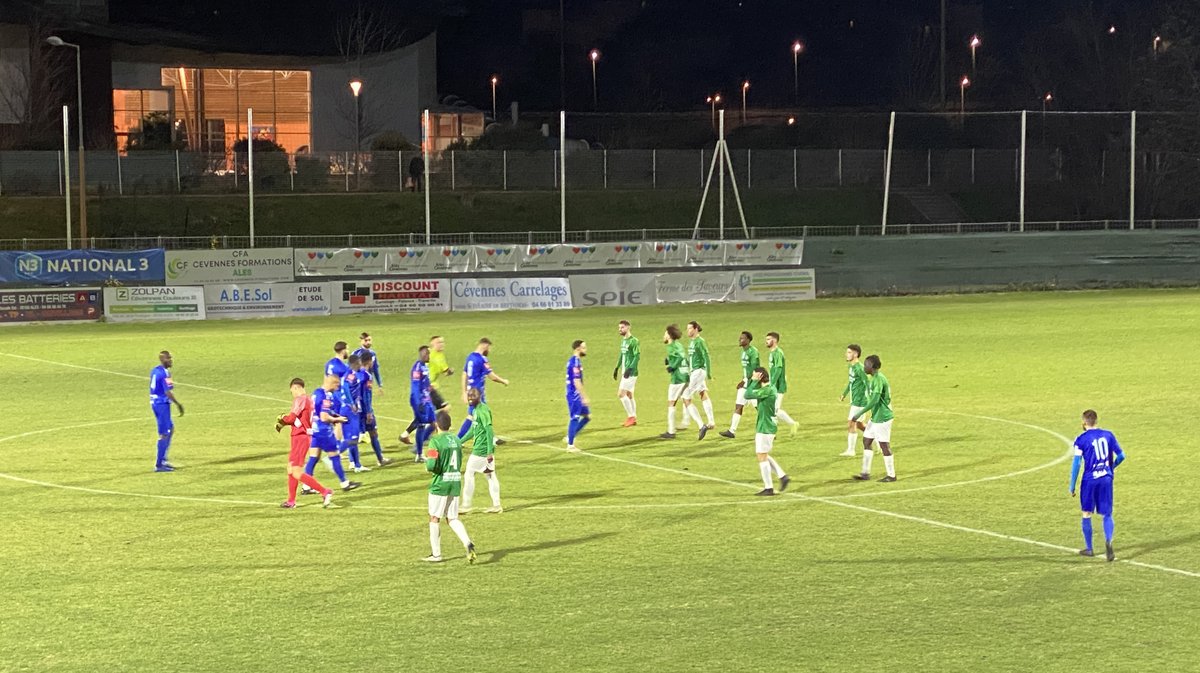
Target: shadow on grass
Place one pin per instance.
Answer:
(248, 458)
(558, 499)
(500, 554)
(1136, 550)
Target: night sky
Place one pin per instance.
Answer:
(667, 55)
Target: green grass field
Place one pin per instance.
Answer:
(638, 554)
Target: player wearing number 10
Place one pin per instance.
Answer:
(1100, 454)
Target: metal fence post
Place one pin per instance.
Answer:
(453, 177)
(292, 172)
(178, 180)
(346, 170)
(400, 170)
(1132, 166)
(972, 165)
(839, 168)
(504, 162)
(653, 169)
(748, 169)
(929, 168)
(702, 169)
(606, 169)
(120, 178)
(556, 169)
(795, 171)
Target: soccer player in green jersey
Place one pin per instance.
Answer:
(483, 454)
(750, 361)
(856, 387)
(760, 389)
(777, 368)
(627, 372)
(442, 458)
(677, 370)
(700, 371)
(879, 428)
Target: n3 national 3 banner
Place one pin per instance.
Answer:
(257, 265)
(41, 304)
(81, 267)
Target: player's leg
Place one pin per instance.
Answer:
(868, 453)
(166, 428)
(674, 392)
(738, 406)
(304, 463)
(781, 415)
(708, 406)
(437, 508)
(475, 464)
(762, 451)
(632, 399)
(572, 423)
(1104, 507)
(493, 485)
(883, 435)
(852, 428)
(406, 436)
(1087, 505)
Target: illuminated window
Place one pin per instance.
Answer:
(132, 106)
(210, 106)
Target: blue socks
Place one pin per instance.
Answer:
(337, 467)
(1108, 529)
(377, 447)
(423, 434)
(311, 465)
(574, 427)
(1087, 531)
(163, 445)
(355, 458)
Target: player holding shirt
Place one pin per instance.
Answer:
(577, 398)
(419, 399)
(483, 455)
(438, 368)
(777, 368)
(760, 389)
(324, 417)
(476, 372)
(879, 405)
(750, 361)
(856, 387)
(627, 371)
(368, 409)
(300, 421)
(442, 461)
(677, 369)
(1100, 454)
(700, 371)
(162, 396)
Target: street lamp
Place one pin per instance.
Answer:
(975, 42)
(1154, 46)
(1112, 30)
(713, 101)
(745, 88)
(495, 81)
(797, 47)
(56, 41)
(594, 56)
(1045, 102)
(962, 94)
(355, 88)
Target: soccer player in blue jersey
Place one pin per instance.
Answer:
(324, 417)
(350, 408)
(475, 374)
(368, 408)
(337, 364)
(1099, 454)
(365, 348)
(419, 399)
(162, 396)
(577, 398)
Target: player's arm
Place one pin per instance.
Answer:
(1076, 463)
(431, 461)
(706, 360)
(464, 382)
(1118, 454)
(873, 398)
(635, 356)
(755, 390)
(497, 378)
(846, 391)
(673, 363)
(375, 371)
(582, 391)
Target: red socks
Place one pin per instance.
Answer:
(293, 484)
(309, 481)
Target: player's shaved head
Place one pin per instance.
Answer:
(297, 382)
(339, 346)
(872, 364)
(748, 336)
(1090, 418)
(366, 358)
(443, 421)
(673, 332)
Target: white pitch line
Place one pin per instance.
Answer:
(694, 475)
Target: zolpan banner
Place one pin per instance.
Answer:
(135, 304)
(391, 295)
(43, 304)
(81, 267)
(613, 289)
(256, 265)
(266, 300)
(501, 294)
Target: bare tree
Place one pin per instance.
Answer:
(918, 68)
(360, 34)
(34, 88)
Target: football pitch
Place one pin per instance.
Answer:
(638, 554)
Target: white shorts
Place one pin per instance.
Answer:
(477, 464)
(674, 391)
(443, 506)
(697, 383)
(880, 432)
(854, 411)
(763, 443)
(627, 384)
(741, 398)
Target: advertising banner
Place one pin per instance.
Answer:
(705, 253)
(266, 300)
(763, 253)
(41, 304)
(254, 265)
(781, 285)
(81, 267)
(500, 294)
(694, 286)
(343, 262)
(425, 259)
(391, 295)
(664, 254)
(134, 304)
(570, 256)
(626, 289)
(497, 258)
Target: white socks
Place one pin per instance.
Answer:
(764, 468)
(783, 415)
(868, 454)
(733, 422)
(670, 420)
(628, 404)
(889, 463)
(494, 488)
(851, 441)
(632, 407)
(695, 413)
(435, 538)
(778, 469)
(461, 531)
(707, 412)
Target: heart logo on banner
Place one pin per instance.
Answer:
(699, 246)
(446, 252)
(575, 250)
(320, 255)
(619, 248)
(312, 255)
(403, 254)
(491, 252)
(778, 246)
(659, 248)
(533, 251)
(358, 254)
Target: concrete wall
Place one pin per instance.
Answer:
(957, 263)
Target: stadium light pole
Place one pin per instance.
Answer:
(66, 117)
(56, 41)
(745, 88)
(962, 95)
(1046, 100)
(975, 43)
(797, 47)
(594, 57)
(495, 81)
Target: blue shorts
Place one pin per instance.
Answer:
(162, 415)
(364, 423)
(424, 413)
(351, 429)
(577, 408)
(324, 442)
(1096, 495)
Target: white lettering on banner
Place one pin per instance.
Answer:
(391, 296)
(694, 286)
(259, 265)
(91, 265)
(136, 304)
(266, 300)
(499, 294)
(626, 289)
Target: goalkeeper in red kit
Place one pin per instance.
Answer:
(300, 419)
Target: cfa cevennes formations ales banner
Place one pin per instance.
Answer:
(82, 267)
